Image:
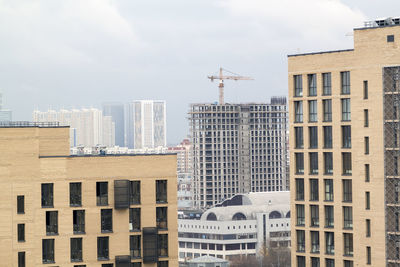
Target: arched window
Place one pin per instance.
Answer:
(288, 214)
(238, 216)
(211, 216)
(275, 215)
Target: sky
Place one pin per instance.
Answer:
(82, 53)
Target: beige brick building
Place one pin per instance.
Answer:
(344, 149)
(100, 210)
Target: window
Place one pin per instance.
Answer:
(163, 245)
(345, 82)
(299, 163)
(347, 217)
(347, 190)
(51, 222)
(328, 189)
(134, 219)
(348, 244)
(346, 113)
(367, 201)
(327, 105)
(47, 195)
(329, 243)
(21, 259)
(21, 232)
(367, 173)
(314, 190)
(48, 250)
(312, 110)
(346, 136)
(313, 136)
(102, 193)
(298, 85)
(102, 248)
(314, 242)
(368, 228)
(301, 242)
(300, 215)
(20, 204)
(161, 217)
(366, 145)
(299, 139)
(161, 191)
(328, 163)
(315, 262)
(76, 249)
(106, 220)
(327, 84)
(390, 38)
(299, 189)
(135, 246)
(329, 216)
(313, 162)
(78, 221)
(327, 136)
(298, 111)
(346, 163)
(75, 194)
(135, 192)
(136, 264)
(368, 255)
(312, 84)
(314, 214)
(165, 263)
(365, 89)
(329, 263)
(301, 261)
(348, 263)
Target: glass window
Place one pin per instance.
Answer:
(366, 118)
(299, 163)
(348, 244)
(106, 220)
(312, 84)
(299, 189)
(327, 84)
(327, 136)
(75, 194)
(51, 222)
(313, 162)
(346, 113)
(298, 85)
(312, 111)
(21, 232)
(329, 243)
(301, 241)
(346, 163)
(21, 259)
(165, 263)
(314, 190)
(20, 204)
(328, 163)
(367, 174)
(367, 201)
(298, 111)
(329, 216)
(368, 228)
(299, 139)
(161, 191)
(346, 136)
(313, 136)
(368, 255)
(328, 189)
(300, 215)
(135, 246)
(135, 192)
(48, 250)
(314, 242)
(78, 221)
(76, 249)
(345, 82)
(315, 262)
(348, 217)
(134, 219)
(301, 261)
(329, 263)
(366, 145)
(47, 195)
(314, 216)
(348, 263)
(163, 245)
(327, 105)
(347, 190)
(102, 248)
(365, 89)
(161, 217)
(102, 193)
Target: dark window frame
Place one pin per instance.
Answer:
(75, 194)
(21, 232)
(76, 249)
(162, 217)
(102, 193)
(52, 222)
(106, 220)
(161, 191)
(78, 221)
(103, 249)
(48, 250)
(134, 219)
(21, 204)
(47, 195)
(135, 196)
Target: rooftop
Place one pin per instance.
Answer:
(25, 124)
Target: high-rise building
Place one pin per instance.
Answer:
(116, 111)
(238, 148)
(345, 198)
(145, 124)
(94, 210)
(5, 114)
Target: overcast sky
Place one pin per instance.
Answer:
(80, 53)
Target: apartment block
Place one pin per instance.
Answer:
(238, 148)
(344, 149)
(76, 211)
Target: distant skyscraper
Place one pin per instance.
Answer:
(238, 148)
(116, 111)
(5, 114)
(145, 122)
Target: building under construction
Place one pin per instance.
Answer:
(238, 148)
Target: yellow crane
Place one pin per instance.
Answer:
(221, 77)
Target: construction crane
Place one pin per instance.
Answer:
(221, 79)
